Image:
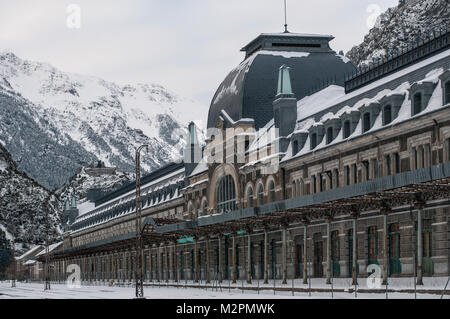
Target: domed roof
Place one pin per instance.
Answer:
(249, 90)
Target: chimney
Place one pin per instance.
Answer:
(284, 107)
(192, 151)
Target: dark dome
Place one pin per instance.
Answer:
(249, 90)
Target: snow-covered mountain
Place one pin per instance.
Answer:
(54, 122)
(22, 207)
(410, 20)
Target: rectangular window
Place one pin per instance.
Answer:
(416, 158)
(355, 173)
(397, 163)
(366, 170)
(388, 164)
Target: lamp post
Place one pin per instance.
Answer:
(13, 281)
(139, 253)
(46, 270)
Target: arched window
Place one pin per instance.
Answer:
(250, 197)
(447, 93)
(346, 129)
(226, 194)
(387, 114)
(260, 194)
(366, 122)
(271, 191)
(329, 135)
(417, 103)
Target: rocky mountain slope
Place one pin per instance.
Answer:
(55, 122)
(103, 179)
(22, 206)
(410, 20)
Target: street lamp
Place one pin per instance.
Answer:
(139, 253)
(46, 271)
(13, 281)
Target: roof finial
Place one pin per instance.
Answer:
(285, 18)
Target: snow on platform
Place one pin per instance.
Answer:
(231, 291)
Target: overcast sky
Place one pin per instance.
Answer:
(186, 45)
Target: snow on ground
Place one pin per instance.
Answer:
(226, 291)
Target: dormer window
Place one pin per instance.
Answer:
(366, 122)
(420, 94)
(346, 128)
(390, 106)
(369, 113)
(298, 141)
(387, 114)
(417, 103)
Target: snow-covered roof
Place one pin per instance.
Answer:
(51, 248)
(404, 113)
(29, 252)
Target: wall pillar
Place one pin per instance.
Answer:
(305, 254)
(166, 264)
(249, 259)
(328, 282)
(355, 253)
(385, 248)
(175, 261)
(195, 259)
(419, 245)
(233, 268)
(284, 256)
(266, 257)
(207, 259)
(220, 259)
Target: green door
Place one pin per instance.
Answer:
(372, 245)
(274, 259)
(394, 249)
(318, 258)
(335, 254)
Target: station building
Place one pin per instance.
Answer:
(312, 168)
